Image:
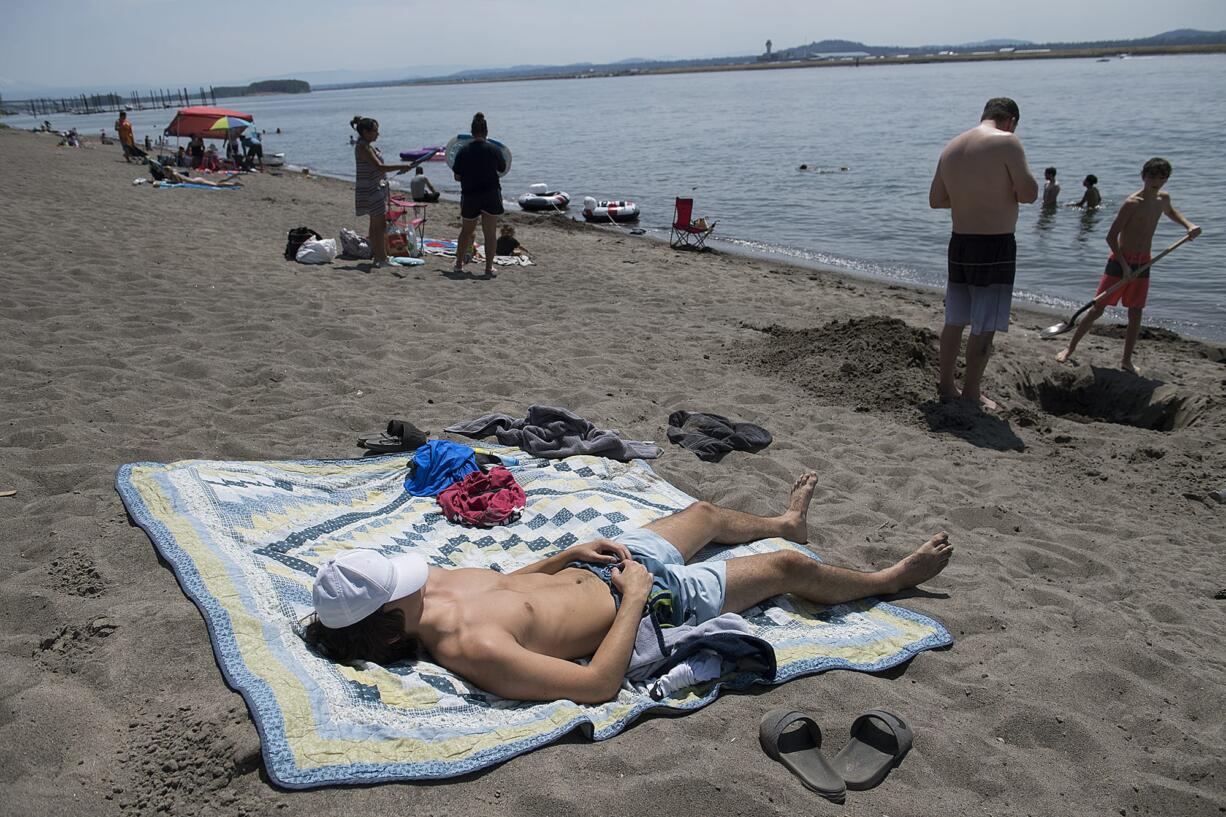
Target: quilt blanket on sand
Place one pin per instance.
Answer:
(245, 538)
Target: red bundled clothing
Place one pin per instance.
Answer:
(483, 499)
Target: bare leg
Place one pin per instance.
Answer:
(951, 344)
(703, 523)
(978, 352)
(468, 229)
(1130, 339)
(489, 226)
(752, 579)
(1080, 332)
(378, 237)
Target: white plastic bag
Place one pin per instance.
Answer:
(317, 251)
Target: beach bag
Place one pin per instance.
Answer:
(316, 251)
(354, 245)
(401, 242)
(295, 239)
(483, 499)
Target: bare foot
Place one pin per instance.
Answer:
(988, 404)
(982, 401)
(928, 560)
(795, 518)
(947, 395)
(1064, 355)
(1130, 367)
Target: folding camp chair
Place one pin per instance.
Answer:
(405, 218)
(684, 232)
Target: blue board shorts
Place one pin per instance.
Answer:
(697, 589)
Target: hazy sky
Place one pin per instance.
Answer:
(138, 43)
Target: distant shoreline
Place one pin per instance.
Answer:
(847, 62)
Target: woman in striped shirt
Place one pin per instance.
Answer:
(370, 191)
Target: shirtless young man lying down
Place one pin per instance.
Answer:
(517, 635)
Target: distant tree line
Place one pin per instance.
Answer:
(268, 86)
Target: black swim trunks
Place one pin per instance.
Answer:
(982, 260)
(472, 205)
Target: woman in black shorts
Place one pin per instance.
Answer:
(477, 166)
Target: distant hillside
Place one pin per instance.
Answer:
(814, 50)
(268, 86)
(1182, 36)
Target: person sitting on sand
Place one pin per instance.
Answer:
(1130, 238)
(210, 161)
(195, 147)
(169, 174)
(518, 635)
(1091, 198)
(1051, 188)
(421, 189)
(507, 243)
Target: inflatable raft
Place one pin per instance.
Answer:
(453, 148)
(429, 154)
(609, 210)
(540, 199)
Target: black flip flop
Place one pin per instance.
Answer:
(800, 751)
(879, 741)
(377, 442)
(399, 436)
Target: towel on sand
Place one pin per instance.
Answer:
(711, 436)
(246, 538)
(549, 431)
(447, 247)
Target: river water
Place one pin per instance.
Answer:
(735, 140)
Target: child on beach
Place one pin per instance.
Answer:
(508, 244)
(1091, 198)
(1051, 190)
(1129, 238)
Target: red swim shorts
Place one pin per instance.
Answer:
(1132, 294)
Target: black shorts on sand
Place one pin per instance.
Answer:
(472, 205)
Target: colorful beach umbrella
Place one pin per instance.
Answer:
(229, 123)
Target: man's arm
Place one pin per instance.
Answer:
(597, 551)
(1025, 186)
(500, 664)
(938, 196)
(1177, 217)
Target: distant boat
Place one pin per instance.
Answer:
(1103, 59)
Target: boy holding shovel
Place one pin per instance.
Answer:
(1129, 238)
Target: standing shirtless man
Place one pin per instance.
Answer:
(517, 635)
(981, 178)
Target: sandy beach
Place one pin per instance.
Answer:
(1087, 673)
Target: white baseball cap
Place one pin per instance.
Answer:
(354, 584)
